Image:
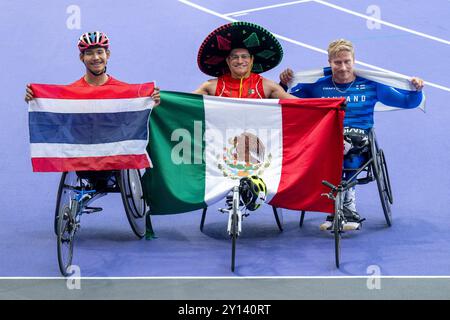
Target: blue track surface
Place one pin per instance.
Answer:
(158, 40)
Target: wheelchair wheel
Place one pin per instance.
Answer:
(380, 172)
(383, 167)
(337, 224)
(387, 181)
(384, 188)
(133, 199)
(278, 217)
(202, 222)
(68, 181)
(234, 232)
(66, 235)
(302, 218)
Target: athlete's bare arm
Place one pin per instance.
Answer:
(273, 90)
(207, 88)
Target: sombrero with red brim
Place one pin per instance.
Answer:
(262, 44)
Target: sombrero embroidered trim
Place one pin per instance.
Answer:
(262, 44)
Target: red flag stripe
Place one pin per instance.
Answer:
(99, 92)
(334, 103)
(90, 163)
(305, 162)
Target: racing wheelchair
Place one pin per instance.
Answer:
(248, 196)
(239, 203)
(277, 212)
(77, 190)
(373, 168)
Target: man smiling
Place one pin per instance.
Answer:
(362, 95)
(236, 53)
(94, 54)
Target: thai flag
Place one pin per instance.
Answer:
(89, 128)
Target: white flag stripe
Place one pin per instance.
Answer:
(231, 102)
(308, 76)
(224, 120)
(382, 107)
(386, 78)
(389, 79)
(90, 105)
(66, 150)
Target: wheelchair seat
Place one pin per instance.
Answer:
(101, 181)
(126, 182)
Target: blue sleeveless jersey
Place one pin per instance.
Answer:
(361, 97)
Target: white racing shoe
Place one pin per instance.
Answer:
(353, 220)
(327, 224)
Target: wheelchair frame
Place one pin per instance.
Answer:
(278, 218)
(375, 169)
(235, 217)
(236, 213)
(73, 199)
(337, 195)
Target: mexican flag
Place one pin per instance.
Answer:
(201, 146)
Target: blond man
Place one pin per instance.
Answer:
(340, 80)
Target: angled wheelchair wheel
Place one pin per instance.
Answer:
(302, 218)
(234, 235)
(383, 185)
(383, 167)
(278, 217)
(67, 183)
(380, 172)
(337, 229)
(337, 246)
(202, 222)
(66, 228)
(385, 172)
(133, 199)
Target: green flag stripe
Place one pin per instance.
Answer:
(176, 183)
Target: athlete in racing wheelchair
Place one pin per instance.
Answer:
(364, 162)
(78, 189)
(75, 193)
(362, 91)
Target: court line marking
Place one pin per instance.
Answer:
(389, 24)
(348, 11)
(266, 7)
(307, 46)
(224, 277)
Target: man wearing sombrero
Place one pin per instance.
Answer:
(235, 54)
